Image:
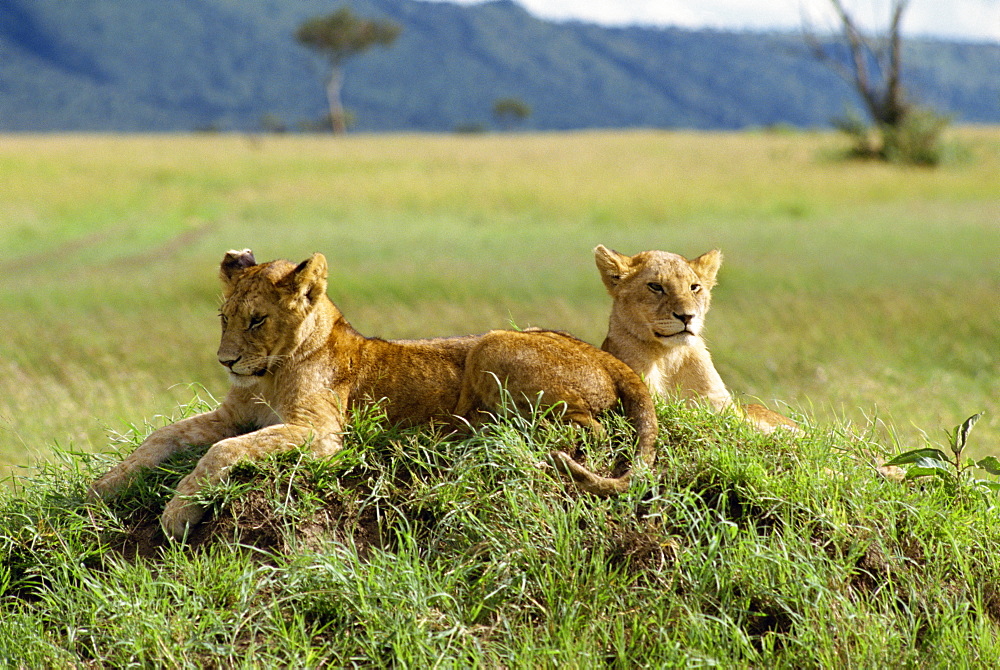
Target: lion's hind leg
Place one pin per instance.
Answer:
(472, 408)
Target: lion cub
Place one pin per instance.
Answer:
(297, 368)
(659, 302)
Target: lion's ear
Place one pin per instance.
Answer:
(707, 266)
(233, 263)
(612, 265)
(308, 279)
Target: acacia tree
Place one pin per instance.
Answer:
(508, 111)
(339, 36)
(874, 69)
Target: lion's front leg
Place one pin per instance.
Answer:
(181, 513)
(206, 428)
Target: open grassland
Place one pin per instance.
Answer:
(849, 290)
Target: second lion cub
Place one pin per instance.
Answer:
(658, 311)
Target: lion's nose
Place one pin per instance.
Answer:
(229, 362)
(684, 318)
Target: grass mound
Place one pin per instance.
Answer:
(414, 549)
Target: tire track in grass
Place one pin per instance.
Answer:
(63, 254)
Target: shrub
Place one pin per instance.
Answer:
(916, 140)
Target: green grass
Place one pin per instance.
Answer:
(850, 291)
(863, 296)
(409, 550)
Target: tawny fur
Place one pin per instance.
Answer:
(550, 367)
(659, 303)
(297, 369)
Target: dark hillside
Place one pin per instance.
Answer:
(146, 65)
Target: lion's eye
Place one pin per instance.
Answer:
(654, 287)
(256, 322)
(695, 288)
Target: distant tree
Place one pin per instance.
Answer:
(900, 130)
(272, 123)
(340, 36)
(470, 128)
(509, 111)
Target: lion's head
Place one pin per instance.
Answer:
(266, 311)
(659, 296)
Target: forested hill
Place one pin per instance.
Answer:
(184, 64)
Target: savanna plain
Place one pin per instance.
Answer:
(858, 298)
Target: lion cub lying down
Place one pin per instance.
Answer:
(659, 302)
(297, 368)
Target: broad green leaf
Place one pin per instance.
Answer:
(914, 472)
(935, 463)
(916, 454)
(923, 467)
(962, 433)
(990, 464)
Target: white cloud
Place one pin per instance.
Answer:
(962, 19)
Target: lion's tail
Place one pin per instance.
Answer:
(640, 411)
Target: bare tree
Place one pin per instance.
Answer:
(339, 36)
(876, 62)
(900, 130)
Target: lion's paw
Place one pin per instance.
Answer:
(179, 516)
(109, 484)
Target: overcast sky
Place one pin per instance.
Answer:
(964, 19)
